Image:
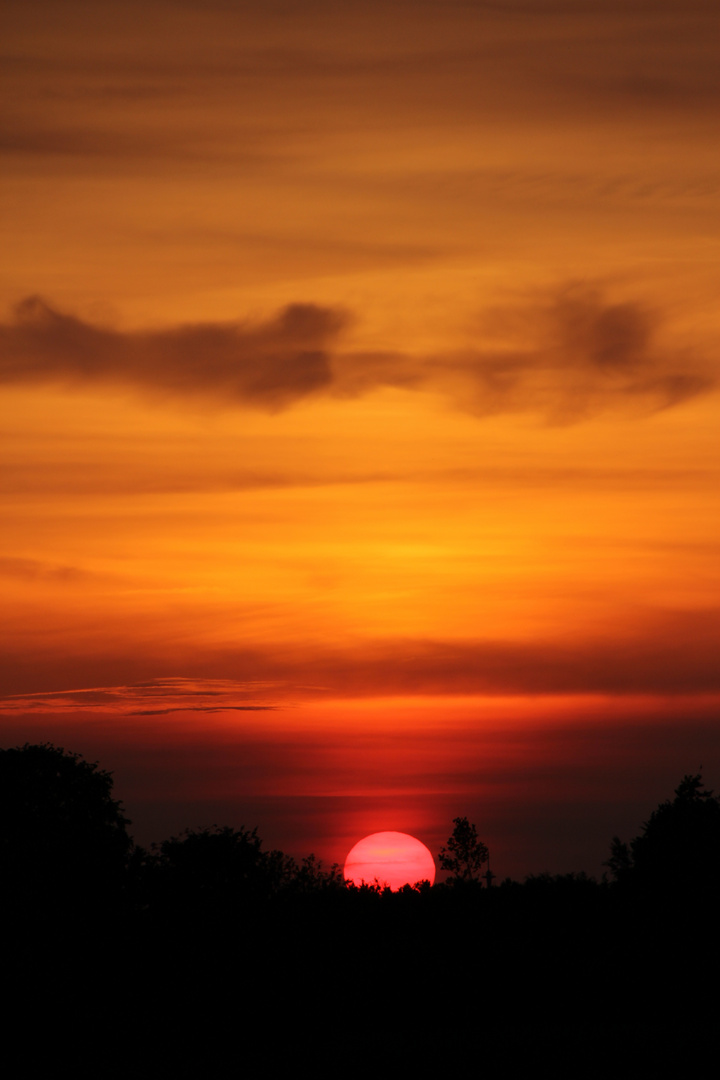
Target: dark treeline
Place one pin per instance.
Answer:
(210, 956)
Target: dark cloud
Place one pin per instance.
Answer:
(567, 356)
(267, 365)
(127, 88)
(122, 148)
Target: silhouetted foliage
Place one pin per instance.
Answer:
(567, 883)
(465, 854)
(679, 846)
(620, 862)
(213, 863)
(63, 838)
(224, 938)
(311, 876)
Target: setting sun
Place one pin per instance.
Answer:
(390, 858)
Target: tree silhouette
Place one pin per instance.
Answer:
(311, 876)
(63, 838)
(220, 867)
(465, 854)
(679, 845)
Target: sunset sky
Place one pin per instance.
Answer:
(361, 440)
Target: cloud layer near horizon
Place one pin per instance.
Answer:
(571, 354)
(671, 652)
(546, 792)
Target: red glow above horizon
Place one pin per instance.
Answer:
(390, 858)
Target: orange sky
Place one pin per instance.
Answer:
(359, 372)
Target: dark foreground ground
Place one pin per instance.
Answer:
(209, 957)
(562, 975)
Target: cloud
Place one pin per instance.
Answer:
(203, 709)
(42, 572)
(567, 355)
(234, 86)
(662, 653)
(570, 354)
(267, 365)
(180, 694)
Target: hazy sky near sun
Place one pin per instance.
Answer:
(360, 432)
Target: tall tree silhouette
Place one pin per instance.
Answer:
(465, 855)
(679, 846)
(63, 838)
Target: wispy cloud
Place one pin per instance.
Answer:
(42, 572)
(666, 653)
(178, 695)
(568, 355)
